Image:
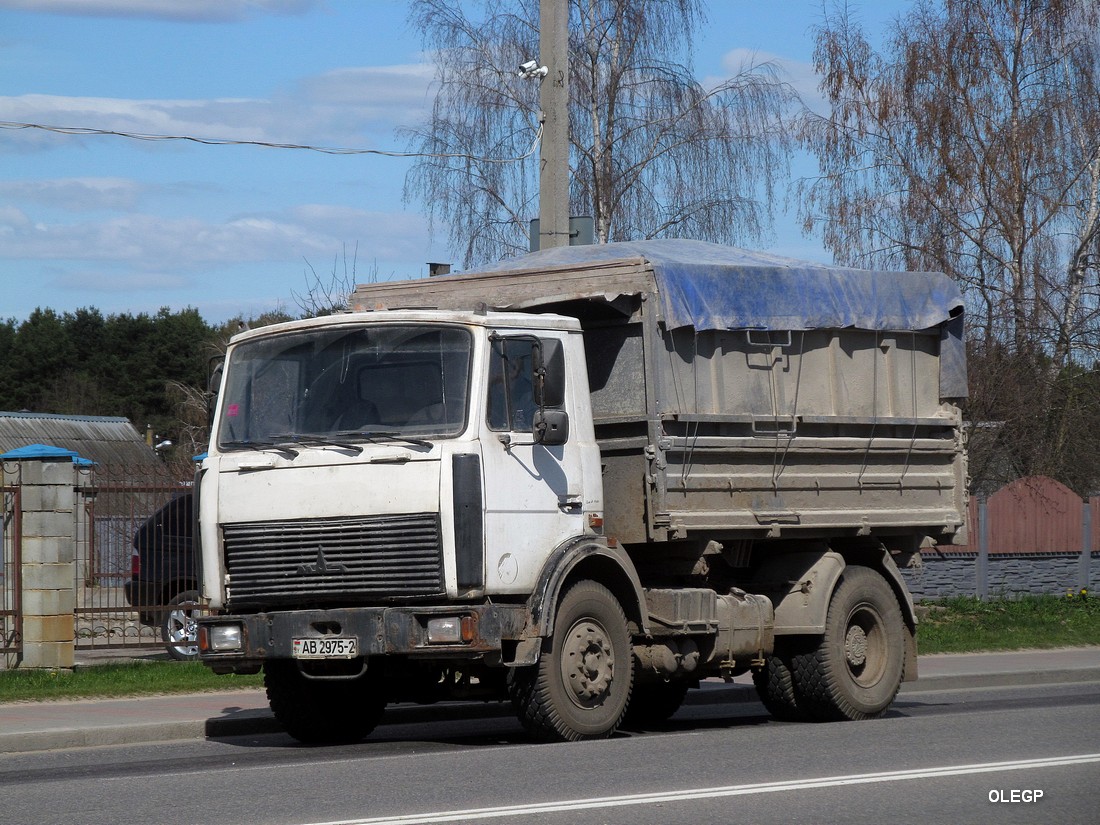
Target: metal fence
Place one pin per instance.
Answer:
(113, 502)
(11, 589)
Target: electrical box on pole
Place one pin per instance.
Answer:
(582, 231)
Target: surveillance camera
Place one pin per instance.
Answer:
(532, 69)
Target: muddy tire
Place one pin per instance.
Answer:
(775, 685)
(856, 669)
(323, 711)
(581, 685)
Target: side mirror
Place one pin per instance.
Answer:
(551, 427)
(213, 384)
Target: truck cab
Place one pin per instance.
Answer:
(389, 484)
(400, 446)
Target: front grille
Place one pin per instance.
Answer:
(324, 560)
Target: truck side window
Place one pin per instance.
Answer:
(511, 388)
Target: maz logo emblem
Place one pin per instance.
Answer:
(321, 567)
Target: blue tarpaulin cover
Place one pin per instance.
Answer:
(710, 286)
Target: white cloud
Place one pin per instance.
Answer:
(232, 117)
(398, 95)
(12, 220)
(190, 11)
(152, 243)
(246, 265)
(385, 236)
(798, 73)
(124, 283)
(75, 194)
(334, 109)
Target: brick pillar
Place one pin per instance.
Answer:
(49, 562)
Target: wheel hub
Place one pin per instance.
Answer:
(183, 627)
(855, 646)
(588, 663)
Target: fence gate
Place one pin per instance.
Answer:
(112, 504)
(11, 570)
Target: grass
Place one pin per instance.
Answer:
(107, 681)
(950, 626)
(962, 625)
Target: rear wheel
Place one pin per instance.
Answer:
(856, 669)
(323, 711)
(581, 686)
(775, 684)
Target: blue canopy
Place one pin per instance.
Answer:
(713, 287)
(45, 452)
(710, 286)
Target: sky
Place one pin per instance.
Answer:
(130, 226)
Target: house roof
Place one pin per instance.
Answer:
(106, 440)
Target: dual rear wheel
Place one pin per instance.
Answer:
(852, 671)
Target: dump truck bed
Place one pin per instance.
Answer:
(738, 395)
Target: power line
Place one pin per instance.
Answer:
(328, 150)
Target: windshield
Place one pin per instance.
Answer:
(364, 383)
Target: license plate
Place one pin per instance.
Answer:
(325, 648)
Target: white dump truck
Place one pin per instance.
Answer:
(584, 480)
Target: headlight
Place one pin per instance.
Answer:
(450, 630)
(220, 637)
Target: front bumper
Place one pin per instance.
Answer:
(380, 631)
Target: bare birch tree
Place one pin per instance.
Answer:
(653, 152)
(971, 144)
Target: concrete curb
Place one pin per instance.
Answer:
(1007, 679)
(62, 738)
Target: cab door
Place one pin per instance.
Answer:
(533, 465)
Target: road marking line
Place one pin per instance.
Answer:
(714, 793)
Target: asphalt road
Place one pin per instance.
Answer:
(938, 757)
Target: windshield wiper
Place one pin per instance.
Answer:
(316, 441)
(375, 437)
(259, 446)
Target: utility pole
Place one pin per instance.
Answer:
(554, 102)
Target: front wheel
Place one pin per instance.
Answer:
(323, 711)
(856, 669)
(580, 687)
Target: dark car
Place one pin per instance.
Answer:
(163, 587)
